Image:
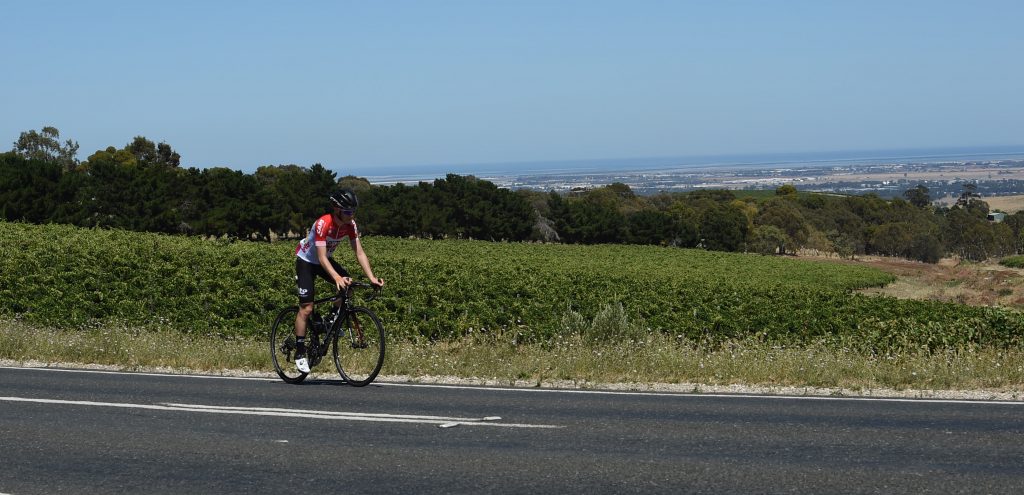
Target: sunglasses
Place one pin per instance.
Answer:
(347, 212)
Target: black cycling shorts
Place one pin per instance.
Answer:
(305, 273)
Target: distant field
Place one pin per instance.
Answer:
(1008, 204)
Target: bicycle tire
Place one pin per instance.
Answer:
(359, 347)
(282, 346)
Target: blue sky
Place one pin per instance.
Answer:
(366, 87)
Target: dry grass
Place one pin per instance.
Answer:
(661, 360)
(129, 348)
(977, 284)
(655, 359)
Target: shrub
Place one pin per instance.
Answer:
(1013, 262)
(73, 278)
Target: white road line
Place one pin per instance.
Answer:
(165, 375)
(289, 413)
(331, 413)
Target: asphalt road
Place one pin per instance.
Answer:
(97, 432)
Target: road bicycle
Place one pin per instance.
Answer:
(353, 333)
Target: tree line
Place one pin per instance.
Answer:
(785, 221)
(143, 187)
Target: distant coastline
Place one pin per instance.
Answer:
(717, 163)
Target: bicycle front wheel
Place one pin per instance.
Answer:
(282, 346)
(359, 347)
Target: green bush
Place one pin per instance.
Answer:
(70, 277)
(1013, 262)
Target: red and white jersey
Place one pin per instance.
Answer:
(325, 232)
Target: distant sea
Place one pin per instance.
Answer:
(414, 173)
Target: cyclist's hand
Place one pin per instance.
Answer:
(342, 282)
(379, 282)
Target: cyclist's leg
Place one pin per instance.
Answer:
(305, 273)
(305, 277)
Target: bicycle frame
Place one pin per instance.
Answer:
(316, 347)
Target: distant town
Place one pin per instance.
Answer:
(945, 179)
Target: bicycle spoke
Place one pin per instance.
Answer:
(359, 348)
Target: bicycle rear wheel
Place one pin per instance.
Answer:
(359, 347)
(282, 346)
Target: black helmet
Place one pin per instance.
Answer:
(344, 198)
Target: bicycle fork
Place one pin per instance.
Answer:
(358, 341)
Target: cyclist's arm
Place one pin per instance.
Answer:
(364, 261)
(339, 281)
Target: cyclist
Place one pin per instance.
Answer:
(313, 258)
